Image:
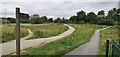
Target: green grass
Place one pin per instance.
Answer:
(39, 30)
(82, 34)
(110, 34)
(0, 33)
(46, 30)
(8, 32)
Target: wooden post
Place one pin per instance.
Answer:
(107, 47)
(17, 32)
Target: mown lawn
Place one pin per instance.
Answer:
(46, 30)
(8, 32)
(60, 47)
(110, 34)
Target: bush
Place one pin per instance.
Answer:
(118, 23)
(36, 21)
(106, 22)
(50, 20)
(4, 21)
(82, 22)
(24, 20)
(12, 20)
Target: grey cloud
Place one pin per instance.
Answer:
(59, 0)
(57, 9)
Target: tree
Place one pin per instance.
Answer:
(36, 19)
(118, 16)
(112, 14)
(92, 18)
(118, 11)
(101, 13)
(81, 16)
(58, 20)
(64, 20)
(73, 19)
(50, 20)
(44, 18)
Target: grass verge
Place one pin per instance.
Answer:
(8, 32)
(0, 33)
(110, 34)
(60, 47)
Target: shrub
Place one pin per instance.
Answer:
(82, 22)
(24, 20)
(50, 20)
(12, 20)
(106, 22)
(4, 21)
(36, 21)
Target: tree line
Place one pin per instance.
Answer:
(100, 18)
(111, 18)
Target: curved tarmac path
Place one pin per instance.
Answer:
(89, 48)
(30, 34)
(10, 47)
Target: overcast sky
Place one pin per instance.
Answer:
(55, 8)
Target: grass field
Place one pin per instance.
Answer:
(39, 30)
(46, 30)
(110, 34)
(60, 47)
(8, 32)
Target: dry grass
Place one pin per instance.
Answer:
(46, 30)
(8, 32)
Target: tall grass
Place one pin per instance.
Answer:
(60, 47)
(46, 30)
(0, 33)
(8, 32)
(108, 34)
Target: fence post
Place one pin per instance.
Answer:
(107, 47)
(118, 51)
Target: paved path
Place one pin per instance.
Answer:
(30, 34)
(9, 47)
(89, 48)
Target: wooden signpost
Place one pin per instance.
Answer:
(18, 17)
(17, 32)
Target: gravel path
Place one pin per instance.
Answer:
(89, 48)
(29, 35)
(10, 47)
